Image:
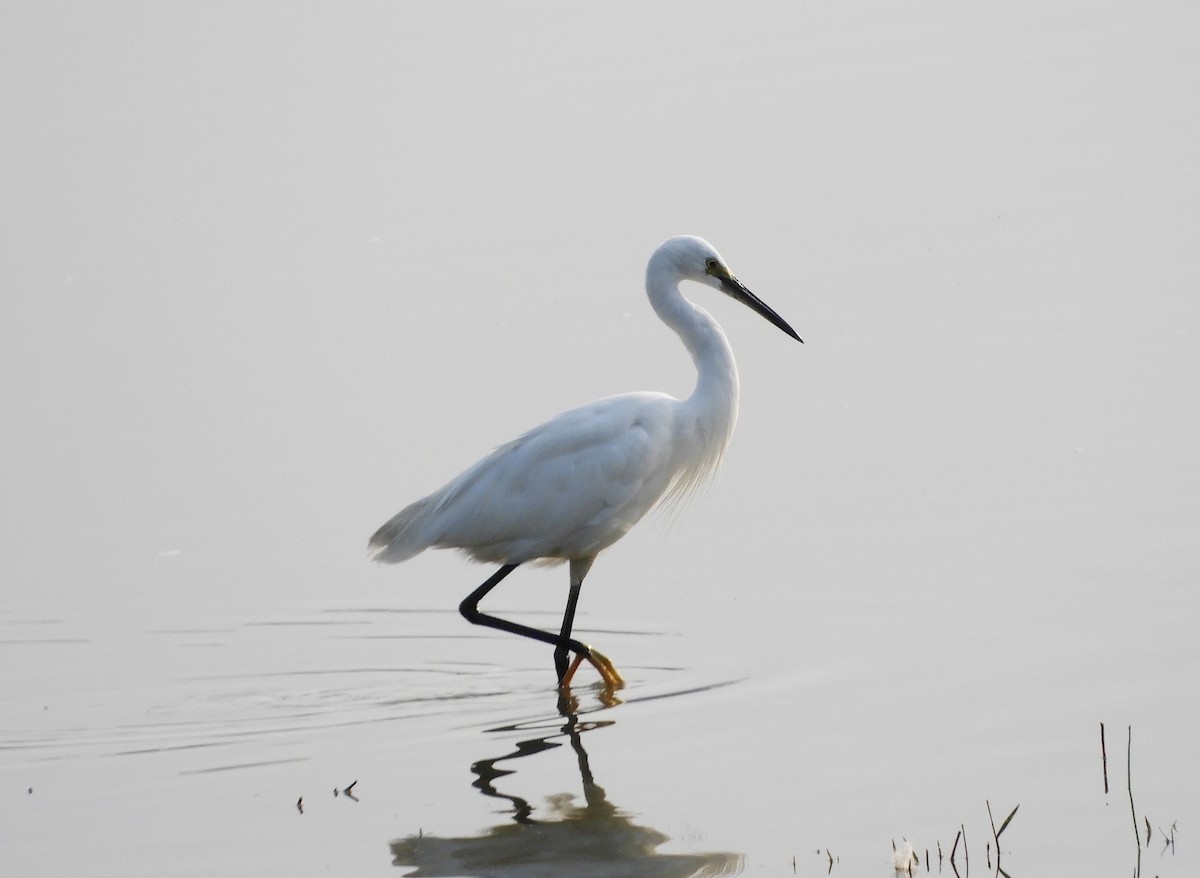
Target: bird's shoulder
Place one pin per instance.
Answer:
(618, 438)
(602, 422)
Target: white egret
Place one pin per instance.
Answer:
(572, 487)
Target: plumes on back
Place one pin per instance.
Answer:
(400, 538)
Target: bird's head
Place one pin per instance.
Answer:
(693, 258)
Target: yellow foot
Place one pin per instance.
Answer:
(608, 672)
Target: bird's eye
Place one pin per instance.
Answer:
(711, 264)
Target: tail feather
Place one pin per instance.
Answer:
(401, 537)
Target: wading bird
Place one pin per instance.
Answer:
(572, 487)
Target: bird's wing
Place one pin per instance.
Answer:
(567, 488)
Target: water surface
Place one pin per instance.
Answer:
(268, 278)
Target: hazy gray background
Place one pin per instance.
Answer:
(271, 271)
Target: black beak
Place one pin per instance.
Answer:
(738, 291)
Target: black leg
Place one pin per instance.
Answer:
(563, 643)
(560, 654)
(579, 569)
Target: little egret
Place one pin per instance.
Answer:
(572, 487)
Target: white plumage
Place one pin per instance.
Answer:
(571, 487)
(565, 489)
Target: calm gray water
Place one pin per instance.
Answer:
(271, 275)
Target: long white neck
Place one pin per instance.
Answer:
(711, 411)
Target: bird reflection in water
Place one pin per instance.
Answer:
(594, 838)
